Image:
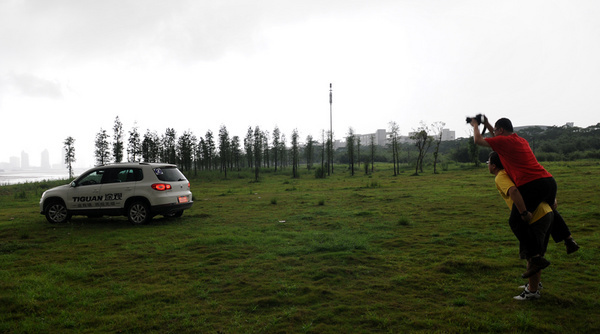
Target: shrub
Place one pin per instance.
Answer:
(319, 173)
(403, 221)
(21, 195)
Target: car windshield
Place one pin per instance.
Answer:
(169, 174)
(94, 177)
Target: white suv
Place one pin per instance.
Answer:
(136, 190)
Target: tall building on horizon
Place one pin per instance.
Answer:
(45, 160)
(24, 160)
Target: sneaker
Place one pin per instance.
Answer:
(526, 294)
(526, 286)
(536, 264)
(571, 245)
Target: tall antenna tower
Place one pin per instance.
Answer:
(330, 127)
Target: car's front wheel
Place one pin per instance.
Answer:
(138, 213)
(57, 213)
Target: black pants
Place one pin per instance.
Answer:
(535, 192)
(533, 238)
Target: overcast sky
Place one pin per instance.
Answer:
(69, 67)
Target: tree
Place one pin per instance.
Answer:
(282, 152)
(276, 140)
(102, 151)
(473, 152)
(350, 142)
(320, 173)
(394, 135)
(266, 150)
(118, 140)
(202, 152)
(150, 147)
(185, 150)
(248, 146)
(134, 148)
(358, 151)
(209, 150)
(69, 154)
(169, 146)
(309, 151)
(224, 148)
(257, 149)
(531, 134)
(373, 148)
(196, 155)
(422, 142)
(295, 153)
(236, 152)
(438, 130)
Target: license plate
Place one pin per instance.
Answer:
(182, 199)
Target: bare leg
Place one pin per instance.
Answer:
(534, 281)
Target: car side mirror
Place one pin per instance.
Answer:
(73, 184)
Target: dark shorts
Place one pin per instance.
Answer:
(538, 191)
(535, 192)
(533, 238)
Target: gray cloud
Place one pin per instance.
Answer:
(67, 32)
(32, 86)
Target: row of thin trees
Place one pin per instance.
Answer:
(258, 149)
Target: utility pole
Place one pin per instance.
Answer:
(331, 127)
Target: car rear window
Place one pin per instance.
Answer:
(169, 174)
(113, 175)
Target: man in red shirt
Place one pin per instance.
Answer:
(530, 235)
(534, 182)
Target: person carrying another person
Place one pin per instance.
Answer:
(532, 230)
(535, 183)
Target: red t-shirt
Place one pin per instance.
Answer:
(518, 159)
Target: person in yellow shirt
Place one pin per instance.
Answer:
(533, 232)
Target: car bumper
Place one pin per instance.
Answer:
(170, 208)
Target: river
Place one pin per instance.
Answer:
(24, 176)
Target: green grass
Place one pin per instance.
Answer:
(362, 254)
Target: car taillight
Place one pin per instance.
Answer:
(161, 186)
(189, 185)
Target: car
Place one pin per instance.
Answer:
(137, 190)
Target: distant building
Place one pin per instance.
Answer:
(448, 135)
(45, 160)
(379, 137)
(24, 160)
(382, 138)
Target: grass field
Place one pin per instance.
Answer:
(362, 254)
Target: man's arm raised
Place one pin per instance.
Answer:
(477, 137)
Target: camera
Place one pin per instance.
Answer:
(479, 118)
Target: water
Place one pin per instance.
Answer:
(24, 176)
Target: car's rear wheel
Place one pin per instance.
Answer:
(138, 213)
(57, 213)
